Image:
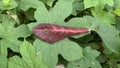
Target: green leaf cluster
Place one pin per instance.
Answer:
(20, 48)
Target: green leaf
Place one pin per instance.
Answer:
(17, 62)
(117, 12)
(104, 16)
(108, 33)
(28, 53)
(26, 4)
(3, 61)
(55, 15)
(110, 37)
(78, 22)
(29, 58)
(90, 3)
(69, 50)
(8, 4)
(10, 34)
(87, 61)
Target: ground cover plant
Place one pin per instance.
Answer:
(97, 47)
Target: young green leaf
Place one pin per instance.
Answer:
(117, 11)
(69, 50)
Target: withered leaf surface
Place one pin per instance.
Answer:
(52, 33)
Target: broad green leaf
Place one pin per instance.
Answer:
(60, 11)
(108, 33)
(117, 12)
(8, 4)
(26, 4)
(28, 53)
(10, 34)
(104, 16)
(110, 37)
(78, 22)
(90, 3)
(55, 15)
(3, 61)
(69, 50)
(29, 58)
(89, 60)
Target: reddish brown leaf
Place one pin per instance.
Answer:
(52, 33)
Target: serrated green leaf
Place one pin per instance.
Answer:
(17, 62)
(90, 3)
(55, 15)
(69, 50)
(3, 61)
(10, 34)
(87, 61)
(28, 53)
(29, 58)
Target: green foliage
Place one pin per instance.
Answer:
(8, 4)
(20, 48)
(70, 51)
(10, 34)
(117, 12)
(29, 58)
(89, 60)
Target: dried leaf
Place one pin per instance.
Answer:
(52, 33)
